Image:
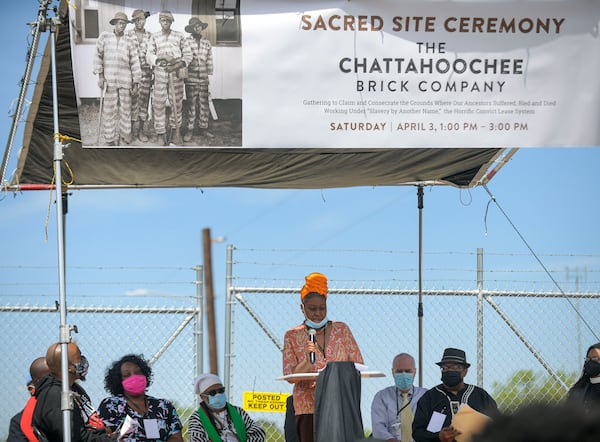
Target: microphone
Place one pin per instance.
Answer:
(312, 337)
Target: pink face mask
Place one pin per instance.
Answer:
(135, 384)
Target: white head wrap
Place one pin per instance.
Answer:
(204, 381)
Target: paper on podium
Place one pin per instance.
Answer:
(364, 373)
(469, 422)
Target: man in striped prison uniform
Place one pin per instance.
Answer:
(117, 65)
(196, 84)
(139, 106)
(169, 54)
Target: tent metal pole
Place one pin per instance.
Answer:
(39, 28)
(65, 330)
(420, 305)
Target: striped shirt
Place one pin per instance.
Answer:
(117, 59)
(202, 63)
(171, 44)
(141, 46)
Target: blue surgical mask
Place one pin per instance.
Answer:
(316, 325)
(218, 401)
(404, 380)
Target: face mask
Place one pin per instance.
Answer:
(135, 384)
(451, 378)
(81, 368)
(591, 368)
(403, 380)
(316, 325)
(218, 401)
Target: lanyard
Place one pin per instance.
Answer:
(410, 397)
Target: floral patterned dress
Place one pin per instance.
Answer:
(339, 346)
(160, 414)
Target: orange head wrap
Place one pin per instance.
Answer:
(315, 283)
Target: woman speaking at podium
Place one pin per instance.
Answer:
(309, 346)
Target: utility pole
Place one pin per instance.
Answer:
(210, 302)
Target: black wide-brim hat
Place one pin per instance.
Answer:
(119, 16)
(194, 21)
(454, 356)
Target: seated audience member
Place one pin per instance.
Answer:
(393, 407)
(48, 414)
(443, 401)
(218, 420)
(20, 429)
(586, 391)
(135, 415)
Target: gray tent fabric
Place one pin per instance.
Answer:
(337, 416)
(296, 168)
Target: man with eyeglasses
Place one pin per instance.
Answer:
(393, 407)
(218, 420)
(47, 419)
(438, 406)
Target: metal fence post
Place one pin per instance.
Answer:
(480, 317)
(199, 338)
(228, 318)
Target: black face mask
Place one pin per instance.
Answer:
(451, 378)
(81, 368)
(591, 368)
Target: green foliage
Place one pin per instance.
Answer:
(273, 432)
(526, 386)
(184, 416)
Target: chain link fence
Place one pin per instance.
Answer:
(164, 335)
(524, 345)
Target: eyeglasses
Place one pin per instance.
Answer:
(453, 367)
(215, 392)
(593, 358)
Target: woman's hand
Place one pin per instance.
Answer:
(310, 347)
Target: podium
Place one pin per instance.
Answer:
(364, 373)
(337, 415)
(314, 376)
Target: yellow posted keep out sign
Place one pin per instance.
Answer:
(265, 401)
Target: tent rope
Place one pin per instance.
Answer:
(62, 137)
(575, 309)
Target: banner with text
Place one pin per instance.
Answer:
(364, 74)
